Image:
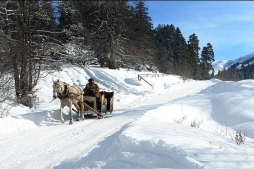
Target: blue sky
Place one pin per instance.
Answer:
(227, 25)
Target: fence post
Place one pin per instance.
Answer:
(30, 100)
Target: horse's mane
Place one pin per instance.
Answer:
(75, 89)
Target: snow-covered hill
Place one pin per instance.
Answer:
(220, 65)
(150, 126)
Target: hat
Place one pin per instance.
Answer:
(91, 79)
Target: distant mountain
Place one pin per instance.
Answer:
(233, 64)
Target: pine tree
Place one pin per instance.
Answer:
(74, 22)
(193, 54)
(180, 53)
(207, 58)
(106, 25)
(142, 34)
(164, 36)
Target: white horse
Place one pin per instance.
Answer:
(64, 92)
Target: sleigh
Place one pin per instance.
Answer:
(103, 106)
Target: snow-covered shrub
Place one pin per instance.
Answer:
(181, 120)
(196, 124)
(238, 137)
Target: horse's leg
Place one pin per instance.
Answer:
(71, 118)
(61, 112)
(80, 111)
(82, 108)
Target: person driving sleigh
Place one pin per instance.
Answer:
(93, 88)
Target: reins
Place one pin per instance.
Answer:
(62, 96)
(71, 94)
(52, 100)
(89, 107)
(66, 93)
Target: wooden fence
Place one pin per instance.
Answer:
(141, 77)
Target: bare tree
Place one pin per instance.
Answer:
(28, 27)
(6, 80)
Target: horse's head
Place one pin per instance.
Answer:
(57, 88)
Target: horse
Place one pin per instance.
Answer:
(64, 92)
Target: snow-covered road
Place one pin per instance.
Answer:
(50, 144)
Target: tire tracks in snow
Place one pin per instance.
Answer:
(111, 82)
(48, 146)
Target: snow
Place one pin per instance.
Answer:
(220, 65)
(150, 127)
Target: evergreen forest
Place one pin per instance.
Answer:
(38, 35)
(238, 71)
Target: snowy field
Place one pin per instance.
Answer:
(150, 127)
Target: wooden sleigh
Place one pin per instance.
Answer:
(105, 105)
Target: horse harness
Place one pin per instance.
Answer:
(65, 94)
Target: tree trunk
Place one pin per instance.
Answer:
(112, 61)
